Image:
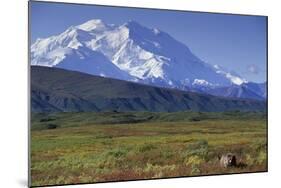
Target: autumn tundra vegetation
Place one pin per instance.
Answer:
(83, 147)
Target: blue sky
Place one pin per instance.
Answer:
(232, 41)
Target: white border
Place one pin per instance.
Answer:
(13, 93)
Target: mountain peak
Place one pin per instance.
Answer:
(92, 25)
(144, 54)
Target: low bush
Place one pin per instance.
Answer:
(195, 119)
(52, 126)
(159, 171)
(199, 148)
(193, 160)
(145, 147)
(114, 158)
(195, 155)
(46, 119)
(262, 157)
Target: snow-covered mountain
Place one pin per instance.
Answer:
(130, 52)
(246, 90)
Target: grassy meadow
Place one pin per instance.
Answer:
(88, 147)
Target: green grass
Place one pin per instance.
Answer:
(96, 147)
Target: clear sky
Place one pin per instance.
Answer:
(235, 42)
